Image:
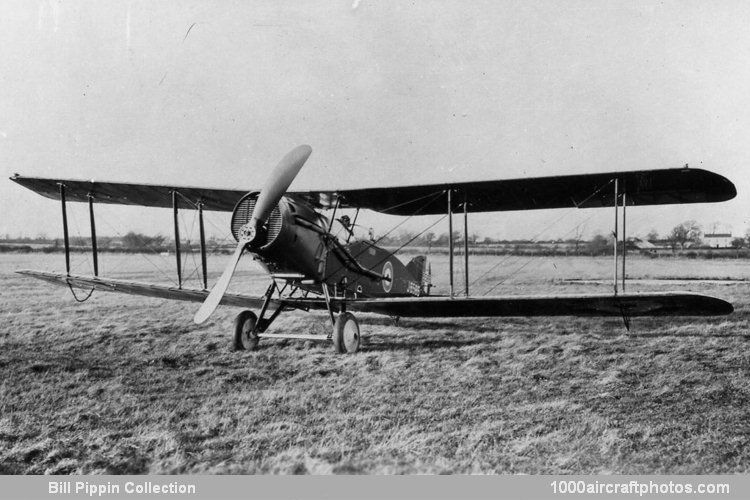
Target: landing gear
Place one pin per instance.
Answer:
(345, 333)
(346, 337)
(249, 328)
(245, 335)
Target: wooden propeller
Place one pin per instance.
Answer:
(278, 182)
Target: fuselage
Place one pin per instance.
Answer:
(296, 244)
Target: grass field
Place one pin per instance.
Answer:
(123, 384)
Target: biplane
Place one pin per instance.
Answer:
(311, 268)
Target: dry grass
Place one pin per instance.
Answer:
(129, 385)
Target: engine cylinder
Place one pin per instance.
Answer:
(242, 214)
(282, 244)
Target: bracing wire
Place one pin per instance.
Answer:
(80, 258)
(388, 209)
(405, 244)
(148, 247)
(72, 218)
(433, 196)
(544, 230)
(189, 232)
(188, 239)
(528, 261)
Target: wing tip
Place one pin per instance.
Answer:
(719, 307)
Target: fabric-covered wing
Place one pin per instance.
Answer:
(144, 289)
(146, 195)
(645, 187)
(647, 304)
(632, 304)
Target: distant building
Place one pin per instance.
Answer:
(640, 244)
(717, 240)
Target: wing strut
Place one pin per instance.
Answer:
(66, 240)
(450, 240)
(618, 197)
(177, 239)
(94, 249)
(203, 245)
(616, 236)
(466, 246)
(624, 237)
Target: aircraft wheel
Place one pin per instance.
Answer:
(346, 334)
(244, 338)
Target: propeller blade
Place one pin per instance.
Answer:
(220, 288)
(279, 181)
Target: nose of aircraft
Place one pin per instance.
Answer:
(278, 182)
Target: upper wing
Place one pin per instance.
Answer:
(644, 187)
(147, 195)
(633, 304)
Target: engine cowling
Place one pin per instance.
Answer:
(281, 244)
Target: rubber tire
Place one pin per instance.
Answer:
(244, 323)
(346, 336)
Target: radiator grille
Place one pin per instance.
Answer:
(244, 211)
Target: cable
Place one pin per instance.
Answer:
(87, 297)
(148, 247)
(529, 260)
(436, 195)
(544, 230)
(390, 254)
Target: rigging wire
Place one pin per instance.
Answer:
(390, 254)
(544, 230)
(72, 218)
(188, 234)
(433, 196)
(528, 261)
(388, 209)
(80, 258)
(143, 254)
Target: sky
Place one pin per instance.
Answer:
(214, 93)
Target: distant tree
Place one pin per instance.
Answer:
(132, 240)
(682, 234)
(598, 245)
(404, 237)
(137, 241)
(652, 236)
(578, 237)
(738, 242)
(157, 241)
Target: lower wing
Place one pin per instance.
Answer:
(630, 304)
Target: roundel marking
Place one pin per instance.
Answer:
(387, 273)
